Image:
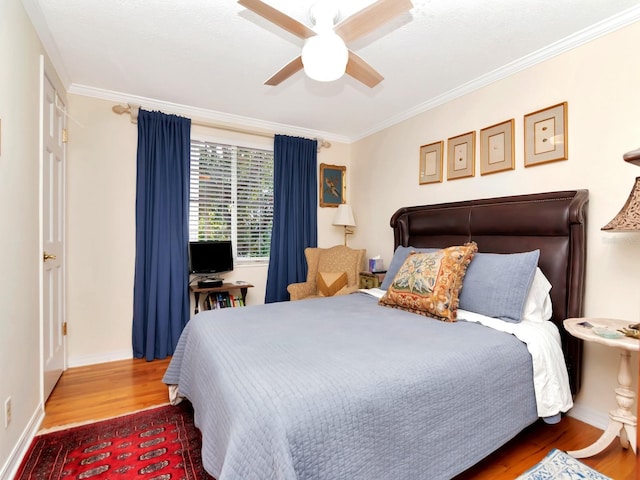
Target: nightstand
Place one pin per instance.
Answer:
(622, 420)
(371, 279)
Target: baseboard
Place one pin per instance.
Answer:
(10, 468)
(588, 415)
(84, 360)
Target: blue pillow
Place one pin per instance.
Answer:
(497, 285)
(399, 256)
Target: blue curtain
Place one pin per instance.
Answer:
(295, 213)
(160, 291)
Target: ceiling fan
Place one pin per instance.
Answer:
(325, 56)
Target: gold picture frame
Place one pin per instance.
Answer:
(497, 151)
(430, 165)
(545, 135)
(461, 156)
(332, 185)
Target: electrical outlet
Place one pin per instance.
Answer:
(7, 412)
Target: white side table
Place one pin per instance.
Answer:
(621, 420)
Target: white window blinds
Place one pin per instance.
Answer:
(231, 197)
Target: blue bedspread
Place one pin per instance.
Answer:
(342, 388)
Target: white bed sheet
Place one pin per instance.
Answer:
(550, 377)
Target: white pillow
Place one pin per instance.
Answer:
(537, 307)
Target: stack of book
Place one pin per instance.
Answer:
(217, 300)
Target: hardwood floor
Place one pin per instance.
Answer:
(111, 389)
(106, 390)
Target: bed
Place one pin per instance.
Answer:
(344, 388)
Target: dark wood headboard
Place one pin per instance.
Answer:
(554, 222)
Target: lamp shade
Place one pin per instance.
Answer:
(632, 157)
(344, 216)
(628, 219)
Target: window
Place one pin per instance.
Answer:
(231, 197)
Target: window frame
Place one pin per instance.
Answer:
(243, 142)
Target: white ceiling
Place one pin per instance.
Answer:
(211, 57)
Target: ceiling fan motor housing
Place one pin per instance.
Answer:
(325, 57)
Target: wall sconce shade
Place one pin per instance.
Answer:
(628, 219)
(632, 157)
(344, 218)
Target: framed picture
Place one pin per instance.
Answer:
(461, 156)
(431, 163)
(545, 135)
(497, 148)
(332, 185)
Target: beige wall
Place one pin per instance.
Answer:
(101, 227)
(20, 237)
(600, 83)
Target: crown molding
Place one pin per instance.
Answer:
(216, 118)
(577, 39)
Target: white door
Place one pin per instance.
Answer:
(53, 195)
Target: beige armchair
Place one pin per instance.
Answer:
(331, 271)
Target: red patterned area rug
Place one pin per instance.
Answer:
(157, 444)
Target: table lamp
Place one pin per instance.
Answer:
(627, 220)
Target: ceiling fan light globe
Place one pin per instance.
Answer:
(324, 57)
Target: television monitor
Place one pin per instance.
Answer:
(210, 257)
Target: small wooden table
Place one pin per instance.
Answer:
(225, 287)
(621, 420)
(372, 279)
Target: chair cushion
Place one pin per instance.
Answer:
(335, 260)
(330, 282)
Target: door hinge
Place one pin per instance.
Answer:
(64, 328)
(65, 135)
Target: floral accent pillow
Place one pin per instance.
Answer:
(429, 283)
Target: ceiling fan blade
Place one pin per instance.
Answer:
(370, 18)
(277, 17)
(285, 72)
(362, 71)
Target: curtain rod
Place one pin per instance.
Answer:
(133, 109)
